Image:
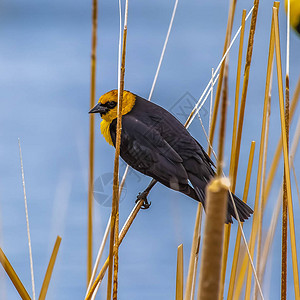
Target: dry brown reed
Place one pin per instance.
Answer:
(50, 267)
(286, 156)
(240, 127)
(219, 86)
(191, 271)
(276, 158)
(238, 235)
(122, 234)
(179, 273)
(114, 238)
(13, 276)
(237, 92)
(91, 142)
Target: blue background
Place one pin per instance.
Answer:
(45, 86)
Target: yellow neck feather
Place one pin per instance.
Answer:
(104, 126)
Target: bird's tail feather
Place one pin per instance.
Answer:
(243, 209)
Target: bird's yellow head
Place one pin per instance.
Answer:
(108, 108)
(107, 105)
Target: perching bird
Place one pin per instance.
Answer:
(156, 144)
(294, 13)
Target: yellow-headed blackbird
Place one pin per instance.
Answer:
(156, 144)
(294, 13)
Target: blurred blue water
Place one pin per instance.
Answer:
(45, 86)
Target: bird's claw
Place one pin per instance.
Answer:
(143, 196)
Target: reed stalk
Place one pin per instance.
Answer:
(49, 271)
(237, 91)
(13, 276)
(258, 181)
(211, 256)
(220, 82)
(179, 273)
(99, 255)
(284, 206)
(196, 261)
(114, 242)
(276, 158)
(284, 200)
(91, 142)
(222, 132)
(245, 84)
(240, 127)
(286, 157)
(122, 234)
(256, 215)
(271, 231)
(238, 235)
(191, 273)
(27, 224)
(260, 211)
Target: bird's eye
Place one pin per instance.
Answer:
(111, 104)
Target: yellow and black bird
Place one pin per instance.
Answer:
(156, 144)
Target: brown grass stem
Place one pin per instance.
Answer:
(49, 271)
(271, 231)
(245, 84)
(284, 205)
(100, 252)
(211, 256)
(260, 211)
(91, 142)
(237, 91)
(179, 273)
(284, 202)
(191, 273)
(240, 125)
(114, 242)
(238, 235)
(276, 158)
(13, 276)
(228, 226)
(258, 182)
(222, 132)
(116, 258)
(155, 78)
(196, 261)
(220, 82)
(286, 156)
(122, 234)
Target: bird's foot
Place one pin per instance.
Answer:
(143, 196)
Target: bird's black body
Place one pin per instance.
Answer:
(156, 144)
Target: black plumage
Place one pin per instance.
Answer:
(156, 144)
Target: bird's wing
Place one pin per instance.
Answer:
(144, 149)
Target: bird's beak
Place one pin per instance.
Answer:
(99, 108)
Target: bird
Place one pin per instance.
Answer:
(157, 144)
(294, 14)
